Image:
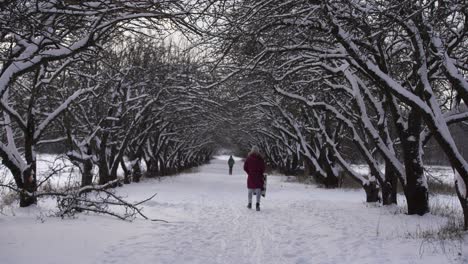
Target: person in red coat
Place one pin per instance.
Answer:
(255, 168)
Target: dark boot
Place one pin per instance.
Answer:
(249, 205)
(257, 206)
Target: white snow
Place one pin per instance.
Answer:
(209, 223)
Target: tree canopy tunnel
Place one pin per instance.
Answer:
(335, 82)
(316, 85)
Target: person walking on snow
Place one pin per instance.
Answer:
(255, 168)
(231, 164)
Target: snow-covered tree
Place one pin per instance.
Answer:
(40, 39)
(383, 69)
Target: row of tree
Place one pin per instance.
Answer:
(318, 84)
(83, 75)
(339, 81)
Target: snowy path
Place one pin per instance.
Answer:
(209, 223)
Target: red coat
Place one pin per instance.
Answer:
(255, 168)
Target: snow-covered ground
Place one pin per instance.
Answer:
(209, 223)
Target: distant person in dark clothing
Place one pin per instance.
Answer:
(255, 168)
(231, 164)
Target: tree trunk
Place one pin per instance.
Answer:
(161, 167)
(102, 165)
(136, 171)
(416, 191)
(465, 213)
(372, 192)
(287, 167)
(152, 169)
(127, 179)
(86, 173)
(103, 169)
(294, 163)
(331, 180)
(103, 174)
(463, 200)
(29, 175)
(464, 204)
(29, 185)
(87, 168)
(389, 189)
(113, 169)
(307, 169)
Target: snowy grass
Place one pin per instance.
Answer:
(448, 232)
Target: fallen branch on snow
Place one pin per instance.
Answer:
(92, 198)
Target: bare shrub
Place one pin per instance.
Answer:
(8, 199)
(448, 238)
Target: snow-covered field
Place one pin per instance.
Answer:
(442, 174)
(54, 171)
(58, 166)
(209, 223)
